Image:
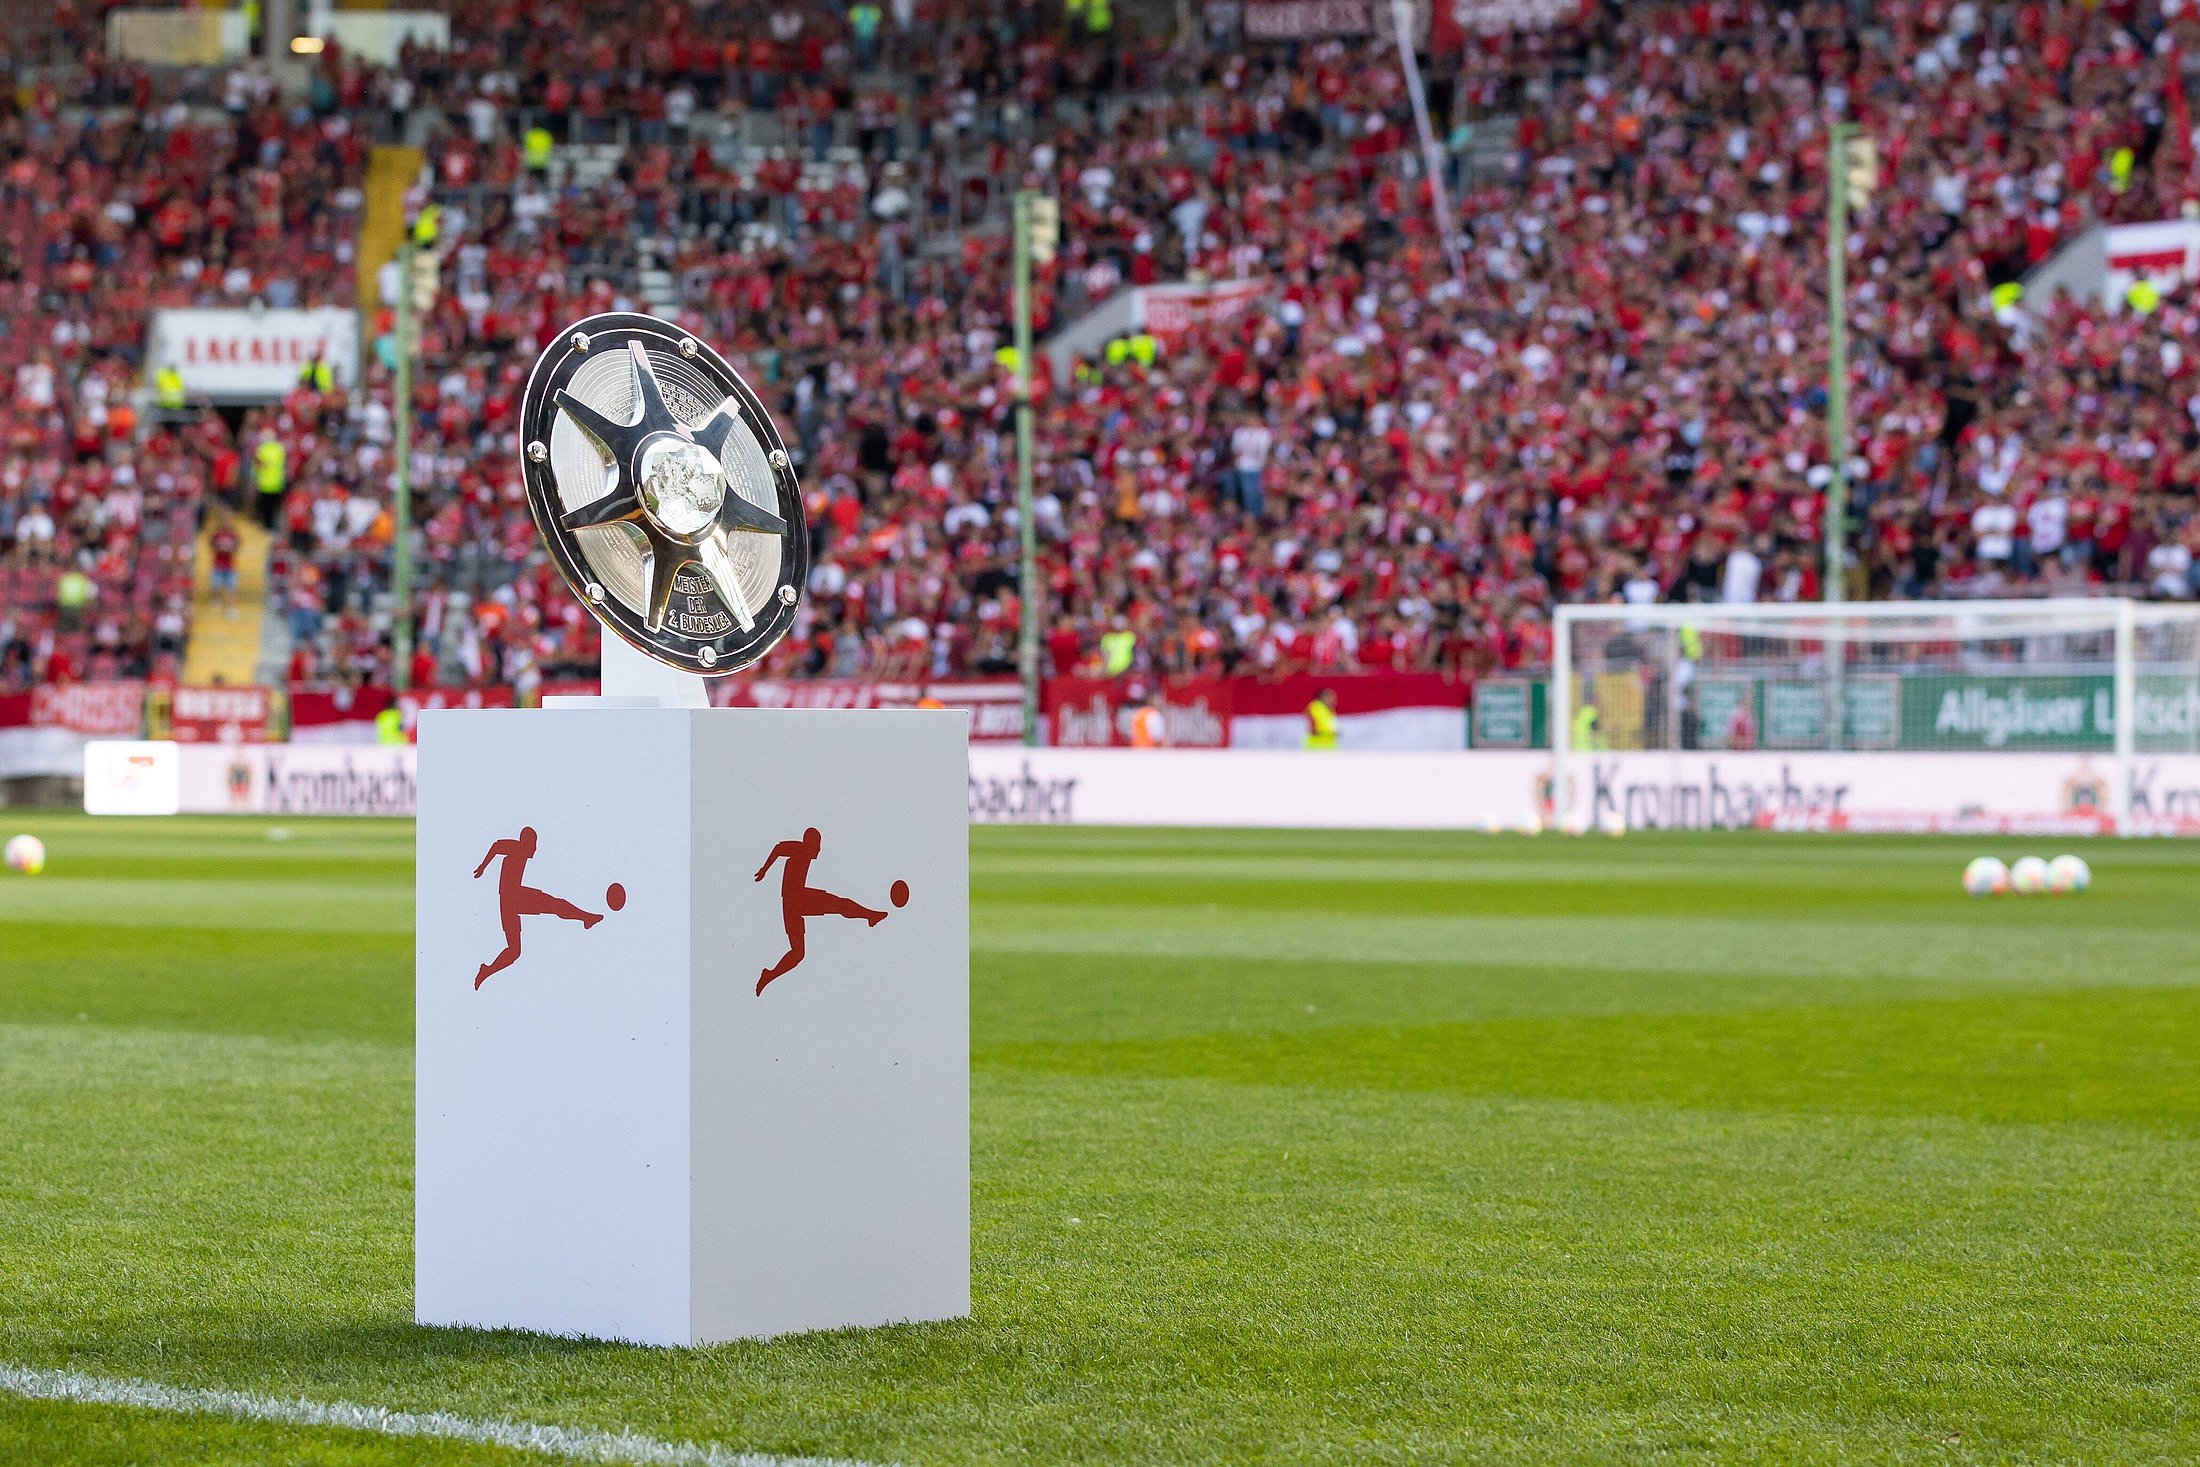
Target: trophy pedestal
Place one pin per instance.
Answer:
(618, 1134)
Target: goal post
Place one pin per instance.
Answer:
(1915, 712)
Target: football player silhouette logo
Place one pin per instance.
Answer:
(516, 899)
(799, 901)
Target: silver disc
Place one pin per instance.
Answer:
(664, 492)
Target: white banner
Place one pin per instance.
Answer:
(132, 777)
(292, 779)
(1507, 789)
(252, 355)
(1478, 789)
(2166, 252)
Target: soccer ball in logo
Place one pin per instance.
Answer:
(1986, 876)
(26, 855)
(2029, 876)
(2068, 874)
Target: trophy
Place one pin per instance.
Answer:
(664, 492)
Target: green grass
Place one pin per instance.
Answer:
(1288, 1147)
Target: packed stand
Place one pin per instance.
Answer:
(105, 215)
(1379, 462)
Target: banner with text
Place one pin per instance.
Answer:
(236, 356)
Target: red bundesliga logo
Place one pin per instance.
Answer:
(516, 899)
(798, 900)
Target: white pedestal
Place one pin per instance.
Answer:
(619, 1136)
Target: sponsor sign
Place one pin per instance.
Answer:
(1504, 789)
(132, 778)
(1510, 713)
(288, 779)
(252, 355)
(107, 710)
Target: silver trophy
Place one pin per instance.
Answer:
(664, 492)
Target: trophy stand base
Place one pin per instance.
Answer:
(693, 1018)
(632, 680)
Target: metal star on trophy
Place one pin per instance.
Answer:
(664, 492)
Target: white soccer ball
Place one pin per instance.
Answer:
(2068, 874)
(2028, 877)
(1611, 822)
(26, 855)
(1986, 876)
(1533, 825)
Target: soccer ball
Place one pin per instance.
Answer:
(1611, 822)
(2068, 874)
(2029, 876)
(1986, 876)
(27, 855)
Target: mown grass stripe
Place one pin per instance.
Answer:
(568, 1443)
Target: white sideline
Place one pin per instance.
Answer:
(573, 1444)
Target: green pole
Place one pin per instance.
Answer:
(1837, 421)
(1837, 367)
(1027, 650)
(401, 507)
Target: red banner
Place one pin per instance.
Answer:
(1218, 712)
(996, 704)
(107, 710)
(221, 716)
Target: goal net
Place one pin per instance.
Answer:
(1943, 696)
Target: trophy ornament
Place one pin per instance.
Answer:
(664, 493)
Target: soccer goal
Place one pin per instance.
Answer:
(2071, 714)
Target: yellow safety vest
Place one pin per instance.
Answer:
(1321, 725)
(1098, 18)
(537, 144)
(267, 466)
(389, 726)
(2143, 296)
(316, 375)
(424, 227)
(168, 388)
(1585, 728)
(1116, 651)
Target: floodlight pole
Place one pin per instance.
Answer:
(401, 489)
(1401, 23)
(1836, 527)
(1027, 581)
(1837, 349)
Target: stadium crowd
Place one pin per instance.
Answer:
(1380, 459)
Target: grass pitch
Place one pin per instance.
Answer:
(1288, 1147)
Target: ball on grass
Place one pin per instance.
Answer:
(1986, 876)
(26, 855)
(2068, 874)
(2028, 877)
